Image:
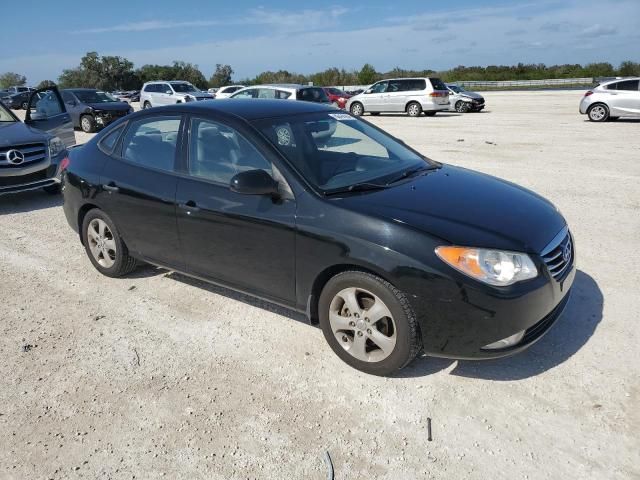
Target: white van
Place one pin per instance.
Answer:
(411, 95)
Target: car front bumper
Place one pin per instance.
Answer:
(32, 177)
(460, 321)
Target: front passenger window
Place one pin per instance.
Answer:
(151, 142)
(217, 152)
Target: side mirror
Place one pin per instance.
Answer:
(254, 182)
(168, 92)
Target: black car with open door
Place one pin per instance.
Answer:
(32, 152)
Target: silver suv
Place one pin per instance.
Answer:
(158, 93)
(410, 95)
(611, 100)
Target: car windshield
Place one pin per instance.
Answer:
(457, 89)
(335, 91)
(5, 115)
(89, 96)
(183, 87)
(337, 152)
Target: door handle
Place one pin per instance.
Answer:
(111, 188)
(189, 206)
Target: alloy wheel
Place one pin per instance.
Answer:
(413, 110)
(101, 243)
(362, 324)
(86, 124)
(356, 109)
(597, 113)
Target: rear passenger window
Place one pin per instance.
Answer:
(217, 152)
(267, 93)
(626, 85)
(151, 142)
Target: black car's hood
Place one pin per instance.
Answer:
(17, 133)
(466, 208)
(473, 95)
(109, 107)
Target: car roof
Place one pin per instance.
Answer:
(247, 109)
(622, 79)
(81, 90)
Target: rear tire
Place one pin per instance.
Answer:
(414, 109)
(104, 246)
(87, 124)
(356, 109)
(368, 323)
(598, 112)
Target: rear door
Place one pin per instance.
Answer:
(396, 95)
(138, 188)
(47, 112)
(624, 97)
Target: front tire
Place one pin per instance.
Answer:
(87, 124)
(414, 109)
(146, 105)
(368, 323)
(357, 109)
(598, 112)
(25, 105)
(462, 107)
(104, 246)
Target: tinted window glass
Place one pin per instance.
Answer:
(626, 85)
(266, 93)
(438, 84)
(183, 87)
(217, 152)
(413, 85)
(151, 142)
(149, 88)
(396, 86)
(67, 97)
(312, 95)
(109, 141)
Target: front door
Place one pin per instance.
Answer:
(374, 98)
(624, 97)
(244, 241)
(47, 112)
(139, 188)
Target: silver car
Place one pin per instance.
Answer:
(612, 100)
(411, 95)
(462, 100)
(158, 93)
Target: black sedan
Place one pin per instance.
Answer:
(311, 208)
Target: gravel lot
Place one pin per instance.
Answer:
(160, 376)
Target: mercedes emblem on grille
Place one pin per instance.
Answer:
(566, 252)
(15, 157)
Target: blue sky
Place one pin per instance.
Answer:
(254, 36)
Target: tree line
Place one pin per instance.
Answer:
(117, 73)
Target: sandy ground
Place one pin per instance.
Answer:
(160, 376)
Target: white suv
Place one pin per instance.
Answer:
(158, 93)
(410, 95)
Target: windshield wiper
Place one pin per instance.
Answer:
(408, 173)
(356, 187)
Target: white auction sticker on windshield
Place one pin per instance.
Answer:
(341, 116)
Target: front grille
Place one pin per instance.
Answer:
(32, 152)
(23, 179)
(558, 256)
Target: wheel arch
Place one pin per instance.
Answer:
(406, 106)
(82, 212)
(327, 274)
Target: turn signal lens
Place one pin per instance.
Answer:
(588, 93)
(494, 267)
(64, 164)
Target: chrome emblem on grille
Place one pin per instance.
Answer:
(15, 157)
(566, 252)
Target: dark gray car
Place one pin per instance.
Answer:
(32, 152)
(92, 109)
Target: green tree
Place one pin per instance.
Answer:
(629, 69)
(222, 76)
(367, 74)
(9, 79)
(46, 84)
(104, 73)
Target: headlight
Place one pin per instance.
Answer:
(494, 267)
(55, 147)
